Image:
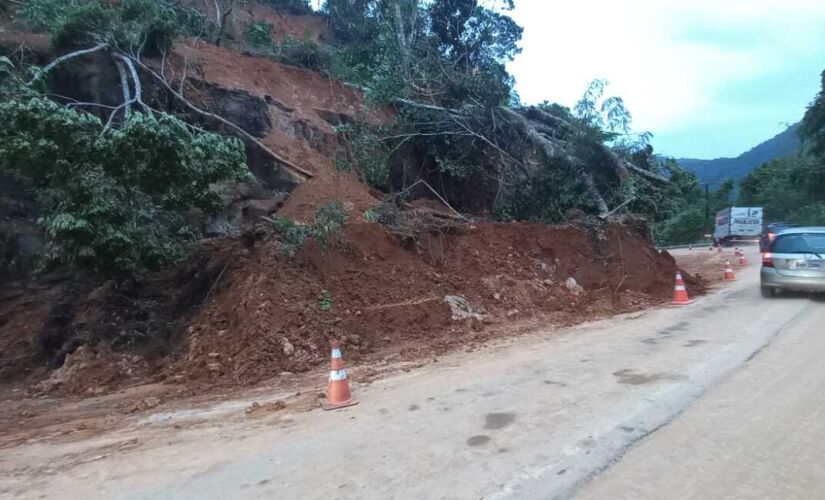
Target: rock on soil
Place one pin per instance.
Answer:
(460, 308)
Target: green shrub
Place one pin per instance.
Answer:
(325, 302)
(115, 201)
(130, 25)
(330, 222)
(328, 228)
(543, 196)
(304, 54)
(292, 234)
(258, 35)
(368, 154)
(809, 215)
(685, 227)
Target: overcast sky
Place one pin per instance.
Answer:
(708, 78)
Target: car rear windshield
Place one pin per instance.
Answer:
(800, 243)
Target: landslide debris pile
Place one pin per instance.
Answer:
(269, 315)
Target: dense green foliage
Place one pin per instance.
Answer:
(366, 151)
(789, 190)
(688, 211)
(451, 55)
(115, 200)
(131, 25)
(304, 54)
(117, 197)
(295, 52)
(258, 35)
(454, 50)
(327, 229)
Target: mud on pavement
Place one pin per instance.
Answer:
(271, 314)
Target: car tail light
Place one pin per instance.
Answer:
(771, 236)
(767, 259)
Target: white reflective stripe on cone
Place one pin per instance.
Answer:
(680, 288)
(336, 353)
(338, 375)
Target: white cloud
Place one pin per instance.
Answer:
(670, 60)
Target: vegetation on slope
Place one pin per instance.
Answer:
(115, 194)
(441, 63)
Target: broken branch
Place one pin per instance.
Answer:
(286, 163)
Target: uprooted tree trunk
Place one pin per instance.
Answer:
(543, 131)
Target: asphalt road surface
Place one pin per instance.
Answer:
(724, 398)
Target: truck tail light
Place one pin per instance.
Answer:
(767, 259)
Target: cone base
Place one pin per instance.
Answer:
(675, 303)
(334, 406)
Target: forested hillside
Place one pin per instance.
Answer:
(715, 172)
(438, 68)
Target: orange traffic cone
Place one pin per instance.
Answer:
(743, 261)
(729, 272)
(680, 295)
(338, 393)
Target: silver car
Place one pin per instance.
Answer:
(795, 261)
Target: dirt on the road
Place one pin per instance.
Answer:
(269, 314)
(266, 318)
(521, 417)
(709, 265)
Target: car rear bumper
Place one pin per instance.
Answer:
(772, 279)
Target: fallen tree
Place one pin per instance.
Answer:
(502, 143)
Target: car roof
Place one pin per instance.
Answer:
(799, 230)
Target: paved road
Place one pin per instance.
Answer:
(720, 399)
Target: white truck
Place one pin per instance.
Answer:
(738, 223)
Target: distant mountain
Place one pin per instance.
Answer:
(715, 172)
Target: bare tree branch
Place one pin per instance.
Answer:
(71, 55)
(138, 97)
(286, 163)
